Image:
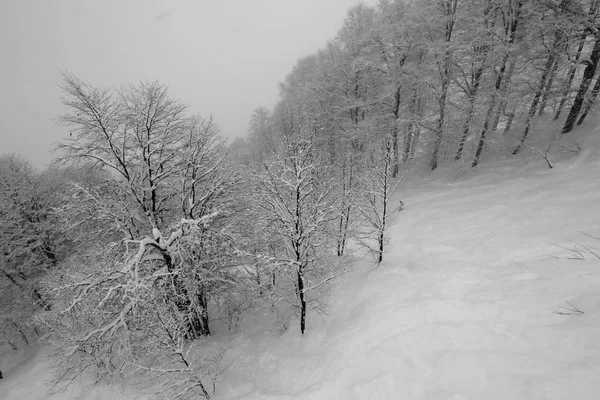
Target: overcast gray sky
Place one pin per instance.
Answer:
(221, 57)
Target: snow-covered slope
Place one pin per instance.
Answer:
(463, 306)
(31, 381)
(468, 303)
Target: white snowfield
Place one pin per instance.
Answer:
(475, 300)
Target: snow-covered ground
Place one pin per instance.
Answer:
(31, 381)
(467, 304)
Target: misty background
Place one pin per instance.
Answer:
(223, 58)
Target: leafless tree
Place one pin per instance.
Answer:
(157, 224)
(299, 207)
(377, 185)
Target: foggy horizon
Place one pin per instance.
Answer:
(221, 59)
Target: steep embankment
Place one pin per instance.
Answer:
(467, 304)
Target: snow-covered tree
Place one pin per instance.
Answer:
(578, 110)
(157, 229)
(32, 243)
(299, 207)
(375, 204)
(120, 313)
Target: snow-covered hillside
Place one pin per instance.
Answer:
(471, 302)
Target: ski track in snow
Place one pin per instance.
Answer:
(461, 308)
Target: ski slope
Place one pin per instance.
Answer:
(470, 303)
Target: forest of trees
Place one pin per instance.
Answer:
(148, 226)
(446, 80)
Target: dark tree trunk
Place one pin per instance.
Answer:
(383, 225)
(590, 102)
(197, 317)
(300, 262)
(301, 297)
(416, 129)
(444, 69)
(412, 130)
(408, 139)
(510, 30)
(538, 94)
(490, 112)
(439, 128)
(550, 71)
(258, 280)
(470, 112)
(569, 82)
(588, 75)
(548, 89)
(503, 96)
(346, 213)
(396, 113)
(381, 243)
(486, 128)
(344, 225)
(384, 213)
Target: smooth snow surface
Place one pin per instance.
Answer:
(461, 309)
